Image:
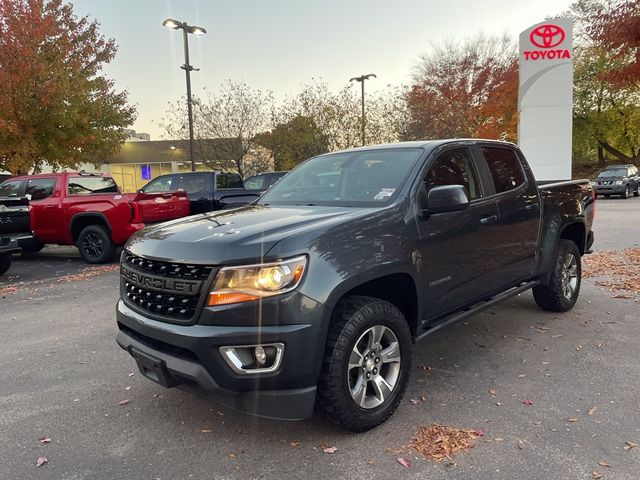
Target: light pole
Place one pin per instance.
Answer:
(361, 79)
(186, 30)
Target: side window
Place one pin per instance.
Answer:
(275, 177)
(192, 183)
(505, 168)
(12, 188)
(40, 188)
(160, 184)
(228, 180)
(454, 167)
(91, 185)
(255, 183)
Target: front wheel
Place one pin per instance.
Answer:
(5, 262)
(626, 193)
(367, 362)
(636, 192)
(561, 292)
(95, 244)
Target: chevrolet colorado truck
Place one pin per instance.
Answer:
(316, 293)
(207, 191)
(15, 227)
(88, 210)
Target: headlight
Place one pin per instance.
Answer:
(251, 282)
(619, 182)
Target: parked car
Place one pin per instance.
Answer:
(622, 180)
(88, 210)
(207, 191)
(263, 181)
(15, 227)
(318, 291)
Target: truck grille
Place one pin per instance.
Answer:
(167, 290)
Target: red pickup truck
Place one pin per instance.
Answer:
(89, 211)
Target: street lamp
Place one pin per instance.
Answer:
(186, 30)
(361, 79)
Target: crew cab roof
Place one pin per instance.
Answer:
(427, 144)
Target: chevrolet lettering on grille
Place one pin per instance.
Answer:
(162, 284)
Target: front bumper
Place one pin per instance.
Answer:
(188, 356)
(11, 243)
(610, 189)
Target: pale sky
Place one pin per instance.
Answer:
(279, 45)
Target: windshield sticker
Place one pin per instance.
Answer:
(384, 193)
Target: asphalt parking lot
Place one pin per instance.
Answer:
(555, 396)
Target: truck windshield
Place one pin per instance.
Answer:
(359, 179)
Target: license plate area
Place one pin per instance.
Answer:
(153, 368)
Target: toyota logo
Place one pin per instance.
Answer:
(547, 36)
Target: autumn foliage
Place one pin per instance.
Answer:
(466, 90)
(615, 26)
(55, 106)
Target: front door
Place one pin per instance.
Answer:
(455, 247)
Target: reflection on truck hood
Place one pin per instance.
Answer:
(233, 235)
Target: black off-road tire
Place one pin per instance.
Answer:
(5, 262)
(352, 317)
(552, 296)
(636, 193)
(95, 244)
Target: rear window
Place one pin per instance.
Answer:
(91, 185)
(228, 180)
(505, 168)
(192, 183)
(255, 183)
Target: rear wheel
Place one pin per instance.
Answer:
(5, 262)
(636, 193)
(367, 363)
(95, 244)
(561, 292)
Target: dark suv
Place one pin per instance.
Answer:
(622, 180)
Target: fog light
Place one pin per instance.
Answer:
(260, 354)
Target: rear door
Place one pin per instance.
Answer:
(197, 188)
(515, 240)
(455, 248)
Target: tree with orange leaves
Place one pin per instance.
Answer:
(55, 106)
(467, 89)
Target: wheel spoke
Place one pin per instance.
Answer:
(375, 336)
(391, 354)
(356, 359)
(381, 388)
(568, 260)
(359, 392)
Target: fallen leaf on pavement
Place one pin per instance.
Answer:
(492, 392)
(522, 375)
(479, 433)
(603, 464)
(422, 397)
(499, 439)
(45, 440)
(233, 456)
(521, 444)
(206, 430)
(527, 403)
(414, 401)
(629, 445)
(295, 444)
(572, 419)
(132, 374)
(556, 336)
(596, 475)
(592, 410)
(127, 388)
(439, 442)
(405, 462)
(330, 450)
(41, 461)
(124, 402)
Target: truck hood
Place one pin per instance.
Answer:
(229, 236)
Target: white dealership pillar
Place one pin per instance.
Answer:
(545, 99)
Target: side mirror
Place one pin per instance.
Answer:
(446, 198)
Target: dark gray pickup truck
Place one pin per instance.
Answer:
(316, 293)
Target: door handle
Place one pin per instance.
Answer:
(488, 220)
(531, 206)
